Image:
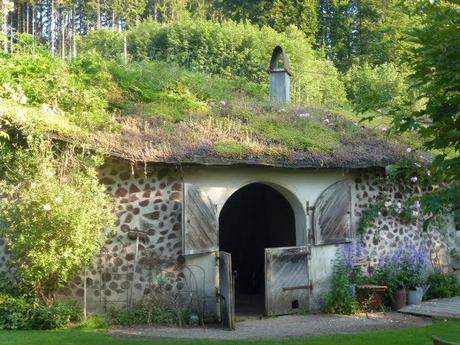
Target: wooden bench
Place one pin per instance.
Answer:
(439, 341)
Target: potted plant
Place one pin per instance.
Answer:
(415, 270)
(401, 270)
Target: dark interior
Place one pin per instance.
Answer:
(254, 218)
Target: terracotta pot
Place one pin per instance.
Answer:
(399, 299)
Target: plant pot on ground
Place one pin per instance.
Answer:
(399, 298)
(415, 295)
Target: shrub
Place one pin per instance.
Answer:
(14, 312)
(377, 88)
(233, 50)
(27, 313)
(442, 285)
(145, 313)
(55, 214)
(342, 298)
(107, 43)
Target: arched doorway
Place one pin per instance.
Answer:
(254, 218)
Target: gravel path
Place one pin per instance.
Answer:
(281, 327)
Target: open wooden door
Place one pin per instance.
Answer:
(332, 215)
(287, 286)
(200, 225)
(227, 290)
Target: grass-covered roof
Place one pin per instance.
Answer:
(159, 112)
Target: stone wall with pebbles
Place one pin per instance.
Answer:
(388, 233)
(148, 214)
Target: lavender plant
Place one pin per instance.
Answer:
(347, 273)
(402, 268)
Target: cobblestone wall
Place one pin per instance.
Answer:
(388, 233)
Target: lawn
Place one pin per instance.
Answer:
(450, 330)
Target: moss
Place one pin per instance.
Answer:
(299, 134)
(234, 149)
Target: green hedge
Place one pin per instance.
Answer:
(27, 313)
(238, 50)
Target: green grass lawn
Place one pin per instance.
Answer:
(450, 330)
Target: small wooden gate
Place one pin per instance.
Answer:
(227, 290)
(287, 285)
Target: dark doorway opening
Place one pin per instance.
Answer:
(254, 218)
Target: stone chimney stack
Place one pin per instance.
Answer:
(280, 77)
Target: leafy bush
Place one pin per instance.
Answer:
(55, 213)
(27, 313)
(377, 88)
(442, 285)
(36, 78)
(145, 313)
(107, 43)
(342, 298)
(14, 312)
(233, 50)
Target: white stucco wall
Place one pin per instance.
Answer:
(298, 186)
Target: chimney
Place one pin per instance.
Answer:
(280, 77)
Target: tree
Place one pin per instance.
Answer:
(54, 213)
(435, 59)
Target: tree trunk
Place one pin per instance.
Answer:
(53, 29)
(98, 24)
(125, 50)
(62, 34)
(5, 32)
(74, 35)
(33, 24)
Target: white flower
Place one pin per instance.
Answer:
(414, 179)
(326, 121)
(415, 213)
(428, 173)
(384, 129)
(398, 205)
(379, 213)
(23, 99)
(21, 116)
(417, 204)
(47, 207)
(387, 204)
(58, 199)
(408, 150)
(223, 102)
(305, 115)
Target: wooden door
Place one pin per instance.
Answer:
(332, 215)
(227, 290)
(200, 225)
(287, 286)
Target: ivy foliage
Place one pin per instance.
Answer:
(54, 213)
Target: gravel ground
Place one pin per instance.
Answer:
(281, 327)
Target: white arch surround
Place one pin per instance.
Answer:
(296, 206)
